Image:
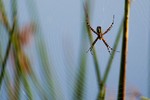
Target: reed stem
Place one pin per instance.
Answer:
(123, 65)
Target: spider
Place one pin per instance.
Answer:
(100, 35)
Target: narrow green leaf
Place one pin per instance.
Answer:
(4, 16)
(109, 64)
(81, 76)
(95, 59)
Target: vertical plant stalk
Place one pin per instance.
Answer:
(81, 76)
(16, 91)
(109, 64)
(4, 16)
(122, 80)
(102, 93)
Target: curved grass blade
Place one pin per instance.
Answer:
(109, 64)
(95, 59)
(102, 93)
(80, 81)
(113, 53)
(53, 88)
(81, 76)
(27, 87)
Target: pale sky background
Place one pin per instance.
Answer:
(61, 23)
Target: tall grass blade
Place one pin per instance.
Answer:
(27, 87)
(81, 76)
(109, 64)
(4, 16)
(17, 77)
(102, 93)
(16, 49)
(95, 59)
(46, 67)
(80, 81)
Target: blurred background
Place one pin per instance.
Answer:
(48, 58)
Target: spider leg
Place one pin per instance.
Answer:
(87, 19)
(108, 47)
(90, 27)
(93, 44)
(109, 26)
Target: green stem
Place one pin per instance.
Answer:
(16, 91)
(113, 53)
(4, 16)
(97, 68)
(102, 93)
(95, 59)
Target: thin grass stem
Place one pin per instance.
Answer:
(95, 59)
(113, 53)
(4, 16)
